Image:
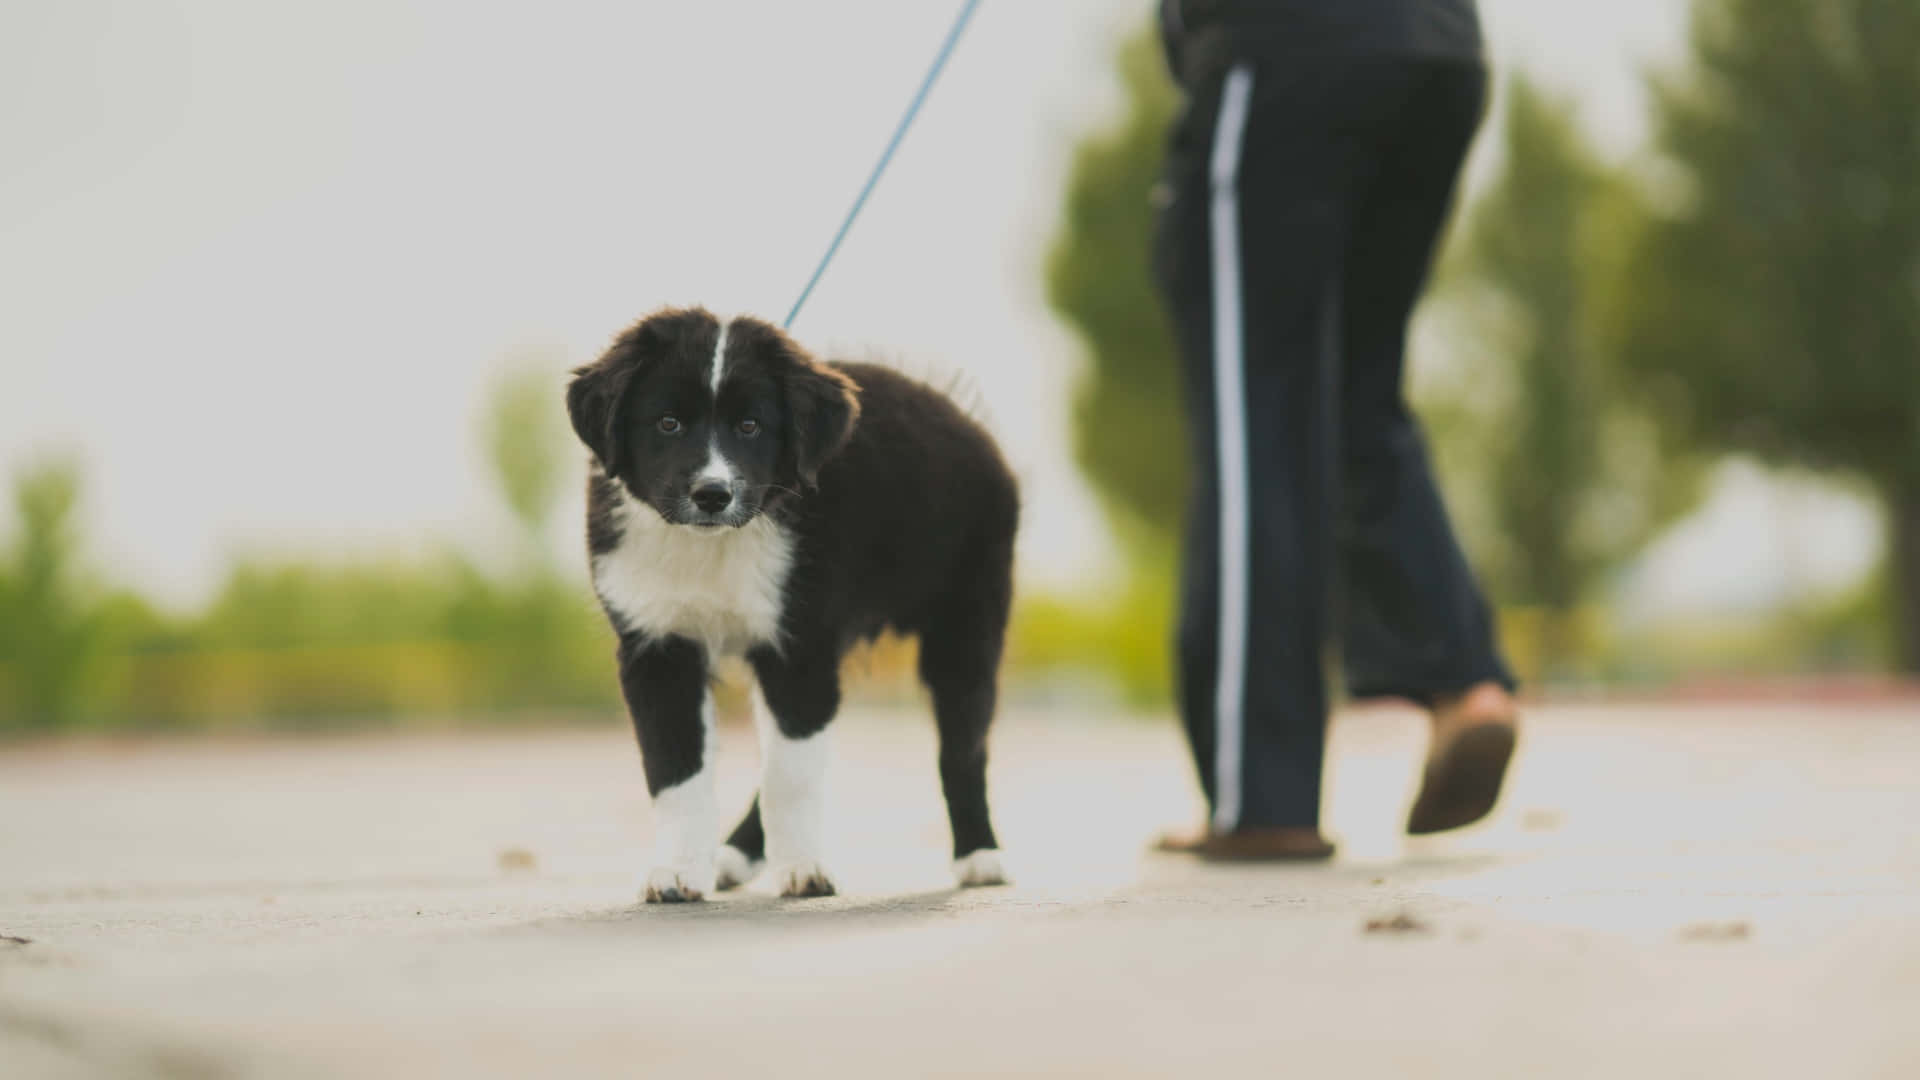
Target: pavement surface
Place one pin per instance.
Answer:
(1664, 892)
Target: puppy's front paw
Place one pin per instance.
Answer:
(980, 867)
(802, 879)
(732, 868)
(676, 885)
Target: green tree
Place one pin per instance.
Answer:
(53, 630)
(1126, 411)
(527, 443)
(1774, 308)
(531, 448)
(1568, 479)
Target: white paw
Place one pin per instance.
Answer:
(732, 868)
(981, 867)
(804, 878)
(676, 885)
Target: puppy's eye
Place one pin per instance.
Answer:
(670, 425)
(749, 427)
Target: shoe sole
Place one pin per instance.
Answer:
(1224, 854)
(1215, 849)
(1462, 786)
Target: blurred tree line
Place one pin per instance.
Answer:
(294, 643)
(1774, 300)
(1557, 475)
(1749, 286)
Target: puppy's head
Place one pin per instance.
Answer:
(710, 421)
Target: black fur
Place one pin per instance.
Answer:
(900, 509)
(664, 678)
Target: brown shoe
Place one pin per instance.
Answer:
(1473, 741)
(1294, 844)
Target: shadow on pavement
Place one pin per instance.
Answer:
(759, 909)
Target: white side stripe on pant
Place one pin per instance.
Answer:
(1230, 415)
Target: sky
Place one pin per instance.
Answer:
(260, 262)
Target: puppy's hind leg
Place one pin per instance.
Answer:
(960, 651)
(799, 693)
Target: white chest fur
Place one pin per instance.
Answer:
(721, 587)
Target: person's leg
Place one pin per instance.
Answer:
(1416, 625)
(1183, 272)
(1248, 256)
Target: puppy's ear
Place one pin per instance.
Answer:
(599, 390)
(593, 404)
(823, 405)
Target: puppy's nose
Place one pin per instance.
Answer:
(712, 498)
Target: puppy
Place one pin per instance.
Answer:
(744, 499)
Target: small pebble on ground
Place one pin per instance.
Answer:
(1398, 923)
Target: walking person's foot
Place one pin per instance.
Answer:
(1270, 844)
(1474, 734)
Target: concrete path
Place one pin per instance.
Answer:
(1690, 892)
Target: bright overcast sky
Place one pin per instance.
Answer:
(259, 261)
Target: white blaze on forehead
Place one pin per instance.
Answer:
(717, 470)
(720, 358)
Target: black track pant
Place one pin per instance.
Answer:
(1305, 201)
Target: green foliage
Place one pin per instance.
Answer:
(1564, 479)
(1773, 309)
(54, 628)
(1121, 641)
(305, 642)
(1127, 410)
(1849, 632)
(527, 444)
(283, 605)
(302, 644)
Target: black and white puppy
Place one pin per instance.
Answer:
(745, 499)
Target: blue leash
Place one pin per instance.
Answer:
(913, 110)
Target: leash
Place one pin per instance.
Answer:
(886, 156)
